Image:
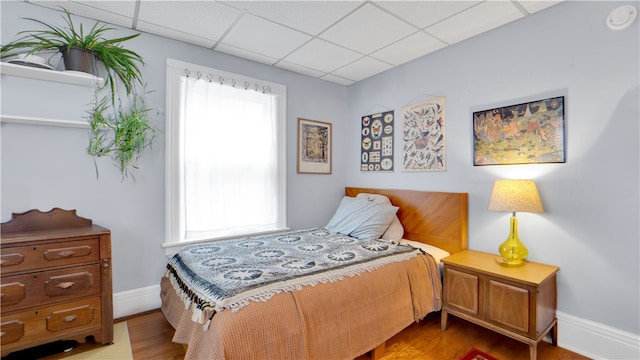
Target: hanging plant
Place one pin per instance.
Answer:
(120, 132)
(123, 135)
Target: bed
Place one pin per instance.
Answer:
(340, 318)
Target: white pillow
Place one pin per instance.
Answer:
(395, 231)
(361, 218)
(437, 253)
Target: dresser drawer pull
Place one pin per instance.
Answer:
(69, 318)
(66, 253)
(65, 285)
(2, 333)
(11, 259)
(69, 252)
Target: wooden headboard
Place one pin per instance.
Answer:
(435, 218)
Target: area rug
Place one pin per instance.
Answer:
(119, 350)
(475, 354)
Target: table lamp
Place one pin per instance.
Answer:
(514, 196)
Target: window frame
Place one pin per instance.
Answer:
(174, 190)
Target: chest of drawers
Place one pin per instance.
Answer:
(55, 280)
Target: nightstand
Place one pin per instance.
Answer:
(519, 301)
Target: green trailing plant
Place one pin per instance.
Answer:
(118, 61)
(123, 135)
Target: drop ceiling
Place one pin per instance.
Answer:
(338, 41)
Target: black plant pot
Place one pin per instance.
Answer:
(79, 59)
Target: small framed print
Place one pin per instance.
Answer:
(314, 147)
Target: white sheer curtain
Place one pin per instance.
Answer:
(230, 170)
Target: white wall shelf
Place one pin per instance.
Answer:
(32, 120)
(67, 77)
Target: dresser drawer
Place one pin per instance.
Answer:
(49, 255)
(40, 325)
(40, 288)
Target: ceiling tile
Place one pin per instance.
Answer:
(425, 13)
(264, 37)
(367, 29)
(203, 19)
(228, 49)
(409, 48)
(535, 6)
(112, 12)
(337, 80)
(480, 18)
(311, 17)
(362, 69)
(323, 56)
(299, 69)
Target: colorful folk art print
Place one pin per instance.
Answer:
(314, 147)
(528, 133)
(423, 136)
(377, 142)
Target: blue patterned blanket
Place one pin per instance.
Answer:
(228, 274)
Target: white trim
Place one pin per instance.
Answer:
(172, 248)
(595, 340)
(136, 301)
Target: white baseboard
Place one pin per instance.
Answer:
(585, 337)
(135, 301)
(596, 340)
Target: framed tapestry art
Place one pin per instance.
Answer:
(377, 142)
(528, 133)
(314, 147)
(423, 136)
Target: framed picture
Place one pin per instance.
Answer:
(314, 147)
(528, 133)
(423, 136)
(376, 142)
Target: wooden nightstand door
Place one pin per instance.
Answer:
(462, 291)
(509, 306)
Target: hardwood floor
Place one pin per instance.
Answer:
(151, 335)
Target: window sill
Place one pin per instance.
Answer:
(174, 247)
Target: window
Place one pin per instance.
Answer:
(225, 169)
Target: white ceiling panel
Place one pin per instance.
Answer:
(203, 19)
(362, 69)
(476, 20)
(310, 17)
(537, 5)
(113, 12)
(299, 69)
(409, 48)
(368, 29)
(264, 37)
(341, 41)
(228, 49)
(337, 80)
(425, 13)
(321, 55)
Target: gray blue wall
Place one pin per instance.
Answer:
(590, 225)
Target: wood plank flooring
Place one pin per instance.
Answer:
(151, 335)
